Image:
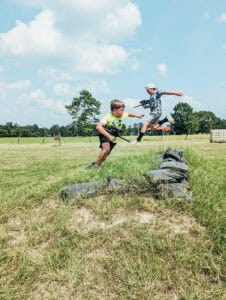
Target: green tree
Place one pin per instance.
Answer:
(223, 124)
(3, 131)
(208, 121)
(186, 121)
(84, 110)
(54, 130)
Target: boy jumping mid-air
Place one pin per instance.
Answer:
(112, 120)
(154, 103)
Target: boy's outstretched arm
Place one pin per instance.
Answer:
(139, 116)
(178, 93)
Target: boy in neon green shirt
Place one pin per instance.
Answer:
(114, 118)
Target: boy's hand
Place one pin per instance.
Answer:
(111, 138)
(140, 116)
(179, 94)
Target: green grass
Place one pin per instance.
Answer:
(110, 246)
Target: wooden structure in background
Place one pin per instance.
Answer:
(218, 136)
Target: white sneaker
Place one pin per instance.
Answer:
(135, 142)
(170, 119)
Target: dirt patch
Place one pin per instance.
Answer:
(145, 217)
(85, 220)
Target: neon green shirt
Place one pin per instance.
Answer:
(110, 120)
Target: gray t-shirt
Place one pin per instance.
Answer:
(155, 100)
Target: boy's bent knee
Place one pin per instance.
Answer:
(105, 151)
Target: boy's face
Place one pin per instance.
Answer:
(150, 91)
(118, 112)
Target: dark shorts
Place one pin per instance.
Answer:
(104, 139)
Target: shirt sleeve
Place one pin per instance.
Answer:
(105, 118)
(159, 94)
(125, 115)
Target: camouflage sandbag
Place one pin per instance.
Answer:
(170, 179)
(176, 154)
(174, 165)
(181, 190)
(164, 176)
(116, 185)
(84, 189)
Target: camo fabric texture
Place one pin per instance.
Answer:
(169, 181)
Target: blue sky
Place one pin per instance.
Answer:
(50, 50)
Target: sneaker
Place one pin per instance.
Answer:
(93, 165)
(170, 119)
(135, 142)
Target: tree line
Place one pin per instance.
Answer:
(85, 112)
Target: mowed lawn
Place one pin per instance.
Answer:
(112, 246)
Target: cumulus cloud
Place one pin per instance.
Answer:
(222, 18)
(20, 85)
(162, 69)
(38, 97)
(94, 86)
(101, 58)
(52, 75)
(62, 89)
(194, 103)
(37, 38)
(79, 33)
(130, 102)
(9, 90)
(122, 22)
(64, 45)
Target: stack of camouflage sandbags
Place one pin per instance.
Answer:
(170, 180)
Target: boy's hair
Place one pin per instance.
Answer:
(116, 104)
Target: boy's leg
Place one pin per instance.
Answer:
(105, 151)
(143, 130)
(154, 126)
(106, 147)
(168, 118)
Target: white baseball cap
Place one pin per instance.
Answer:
(150, 86)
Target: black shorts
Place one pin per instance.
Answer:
(104, 139)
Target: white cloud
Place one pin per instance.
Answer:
(123, 21)
(162, 69)
(62, 45)
(38, 97)
(222, 18)
(94, 86)
(62, 89)
(130, 102)
(101, 58)
(10, 90)
(20, 85)
(194, 103)
(78, 33)
(52, 75)
(37, 38)
(23, 105)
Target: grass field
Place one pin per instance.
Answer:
(111, 246)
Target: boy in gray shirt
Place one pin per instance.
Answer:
(154, 103)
